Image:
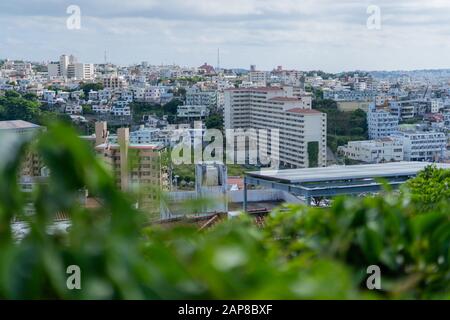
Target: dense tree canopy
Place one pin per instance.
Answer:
(214, 121)
(342, 126)
(87, 87)
(14, 106)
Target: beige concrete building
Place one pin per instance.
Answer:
(136, 167)
(300, 127)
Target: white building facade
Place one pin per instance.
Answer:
(381, 123)
(374, 151)
(276, 108)
(423, 146)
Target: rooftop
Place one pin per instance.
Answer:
(259, 89)
(17, 124)
(336, 173)
(303, 111)
(286, 99)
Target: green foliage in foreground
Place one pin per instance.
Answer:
(303, 252)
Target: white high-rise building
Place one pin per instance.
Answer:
(423, 146)
(80, 71)
(381, 123)
(53, 70)
(301, 129)
(64, 62)
(69, 67)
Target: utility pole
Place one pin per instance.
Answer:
(218, 59)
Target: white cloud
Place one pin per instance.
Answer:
(307, 34)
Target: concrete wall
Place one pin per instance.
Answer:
(238, 196)
(353, 105)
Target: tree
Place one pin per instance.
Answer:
(14, 107)
(313, 154)
(87, 109)
(172, 106)
(430, 187)
(342, 126)
(87, 87)
(214, 121)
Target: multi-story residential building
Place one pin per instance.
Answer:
(135, 167)
(32, 164)
(73, 109)
(423, 146)
(104, 95)
(257, 77)
(436, 105)
(403, 110)
(48, 96)
(360, 86)
(276, 108)
(69, 67)
(169, 135)
(381, 123)
(204, 98)
(143, 135)
(374, 151)
(193, 112)
(121, 108)
(114, 82)
(63, 95)
(53, 70)
(101, 108)
(446, 119)
(93, 95)
(350, 95)
(408, 109)
(80, 71)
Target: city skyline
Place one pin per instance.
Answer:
(311, 35)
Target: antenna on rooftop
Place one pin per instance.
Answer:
(218, 59)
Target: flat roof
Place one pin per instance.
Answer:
(148, 146)
(16, 124)
(336, 173)
(304, 111)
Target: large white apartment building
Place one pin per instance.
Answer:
(69, 67)
(423, 146)
(257, 76)
(80, 71)
(374, 151)
(381, 123)
(205, 98)
(277, 108)
(349, 95)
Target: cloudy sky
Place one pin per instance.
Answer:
(329, 35)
